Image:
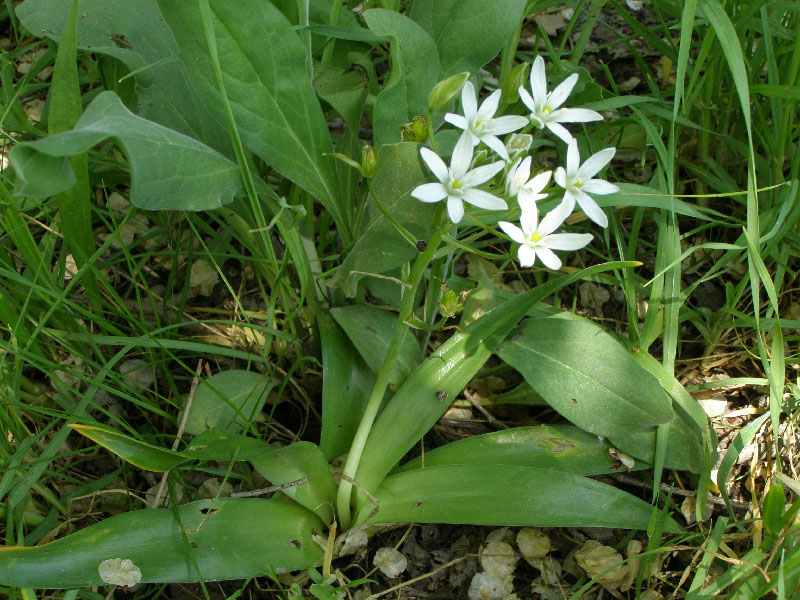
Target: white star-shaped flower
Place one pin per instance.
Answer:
(479, 123)
(544, 106)
(458, 183)
(518, 184)
(538, 239)
(577, 181)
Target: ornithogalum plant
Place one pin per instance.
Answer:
(209, 70)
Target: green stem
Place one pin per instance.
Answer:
(407, 235)
(378, 391)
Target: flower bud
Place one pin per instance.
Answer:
(518, 145)
(416, 130)
(451, 303)
(444, 92)
(516, 78)
(369, 161)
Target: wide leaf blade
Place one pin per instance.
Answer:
(168, 169)
(269, 89)
(506, 495)
(229, 539)
(554, 447)
(587, 376)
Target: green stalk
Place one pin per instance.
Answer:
(378, 391)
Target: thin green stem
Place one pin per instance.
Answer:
(381, 382)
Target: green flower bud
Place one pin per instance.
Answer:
(369, 161)
(517, 77)
(416, 130)
(444, 92)
(451, 303)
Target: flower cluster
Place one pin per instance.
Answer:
(460, 182)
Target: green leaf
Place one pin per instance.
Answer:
(210, 445)
(297, 461)
(587, 376)
(555, 447)
(415, 70)
(379, 246)
(136, 34)
(344, 90)
(346, 384)
(229, 400)
(506, 495)
(168, 169)
(418, 404)
(684, 446)
(273, 102)
(370, 329)
(229, 539)
(468, 33)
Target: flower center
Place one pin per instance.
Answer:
(578, 182)
(456, 187)
(478, 126)
(547, 110)
(535, 237)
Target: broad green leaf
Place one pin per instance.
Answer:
(295, 462)
(346, 384)
(415, 70)
(136, 34)
(505, 495)
(228, 539)
(229, 400)
(587, 376)
(138, 453)
(554, 447)
(168, 169)
(418, 403)
(468, 33)
(270, 92)
(344, 90)
(370, 329)
(210, 445)
(684, 446)
(379, 246)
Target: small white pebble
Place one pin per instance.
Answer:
(118, 571)
(203, 277)
(390, 562)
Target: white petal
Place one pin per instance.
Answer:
(596, 162)
(489, 106)
(573, 158)
(569, 241)
(483, 199)
(527, 196)
(560, 177)
(554, 219)
(529, 218)
(549, 259)
(495, 144)
(569, 199)
(482, 174)
(591, 208)
(512, 231)
(435, 164)
(457, 120)
(538, 183)
(558, 95)
(430, 192)
(538, 81)
(526, 256)
(559, 130)
(517, 175)
(598, 186)
(527, 100)
(455, 209)
(575, 115)
(462, 155)
(468, 101)
(507, 124)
